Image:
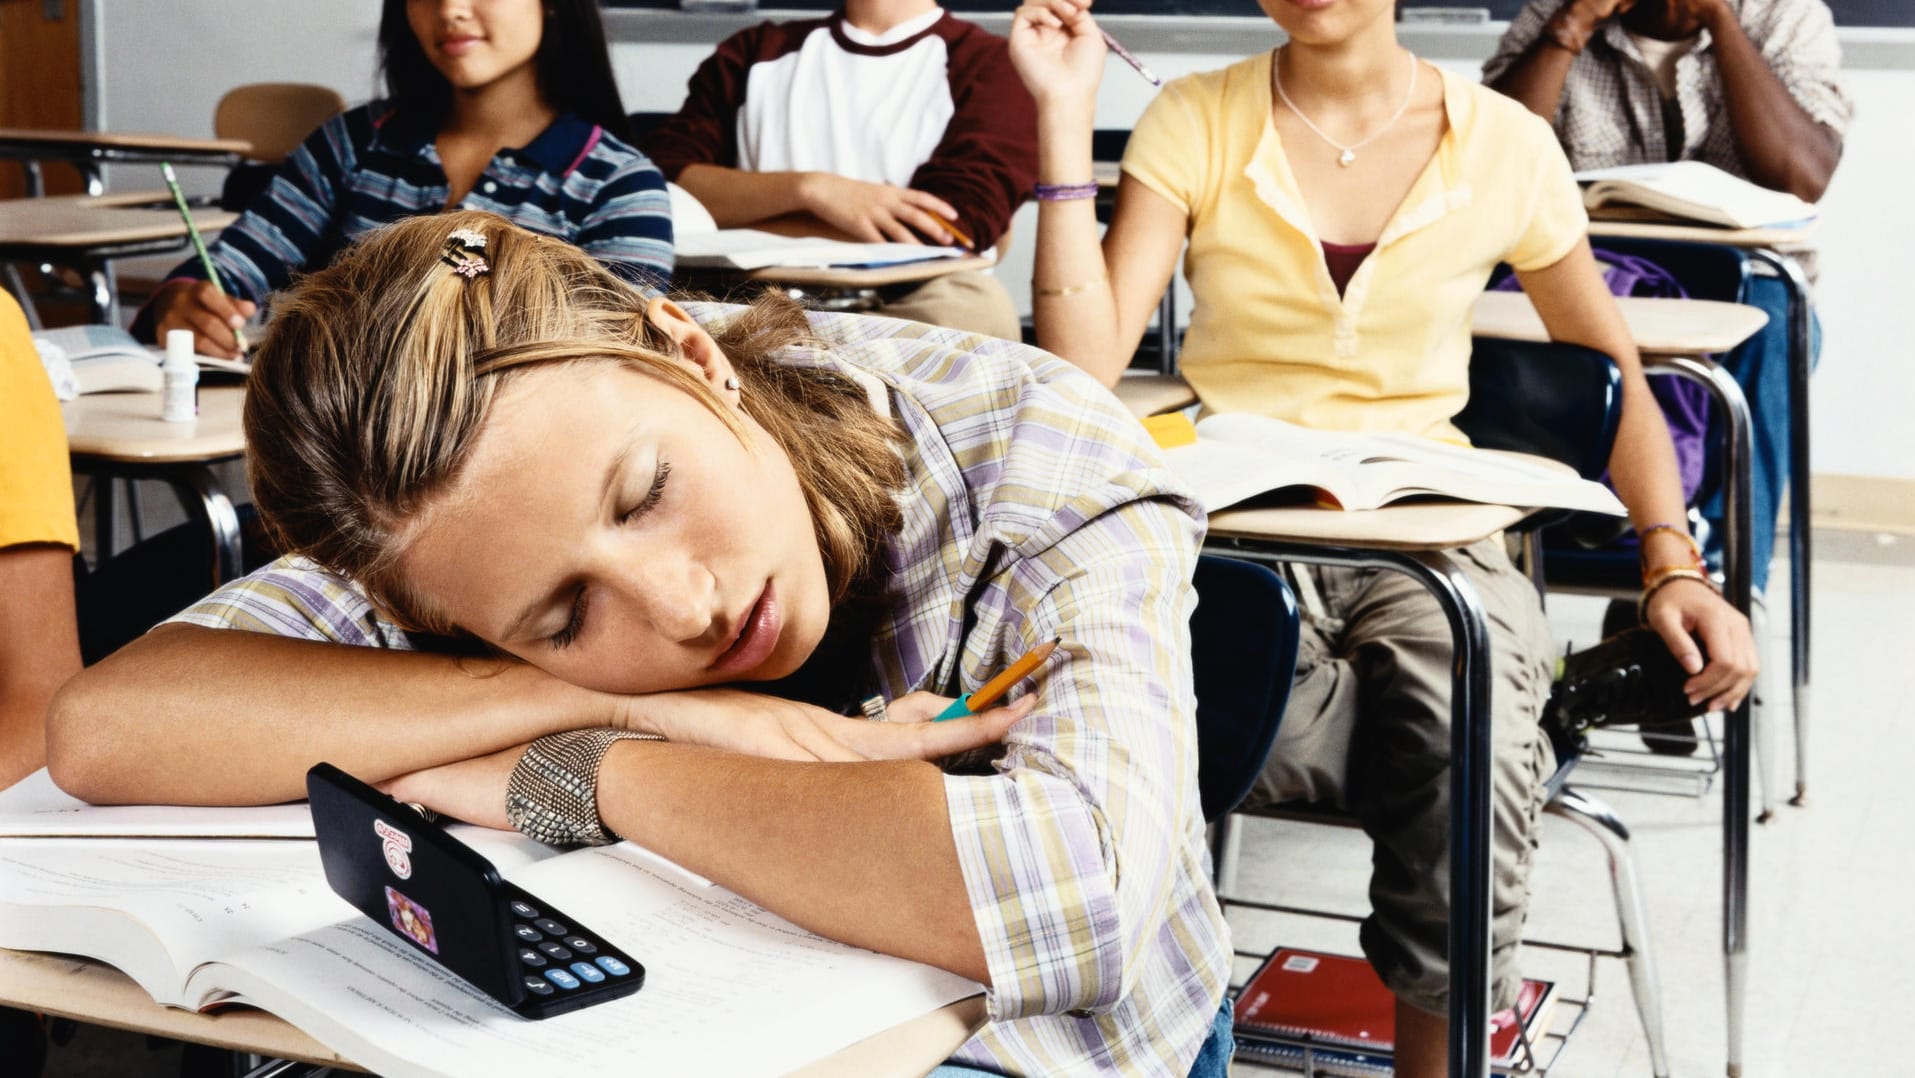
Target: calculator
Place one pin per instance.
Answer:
(446, 901)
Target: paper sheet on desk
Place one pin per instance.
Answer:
(750, 249)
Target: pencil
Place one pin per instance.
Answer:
(957, 233)
(987, 694)
(192, 231)
(1124, 55)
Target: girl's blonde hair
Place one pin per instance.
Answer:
(376, 376)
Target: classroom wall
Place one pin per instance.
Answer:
(1864, 389)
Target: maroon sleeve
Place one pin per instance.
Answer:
(704, 130)
(987, 161)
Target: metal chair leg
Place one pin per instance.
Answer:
(1599, 820)
(1761, 721)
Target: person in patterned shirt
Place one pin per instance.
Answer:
(523, 499)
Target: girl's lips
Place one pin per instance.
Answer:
(757, 637)
(459, 46)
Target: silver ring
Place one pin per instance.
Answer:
(874, 708)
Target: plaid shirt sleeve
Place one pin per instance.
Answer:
(1070, 851)
(294, 597)
(1797, 38)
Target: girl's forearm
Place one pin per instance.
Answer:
(197, 716)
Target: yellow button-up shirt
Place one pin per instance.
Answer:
(1269, 334)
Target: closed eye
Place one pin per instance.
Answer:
(652, 496)
(564, 637)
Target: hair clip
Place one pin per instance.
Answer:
(462, 253)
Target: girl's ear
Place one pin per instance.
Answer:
(696, 346)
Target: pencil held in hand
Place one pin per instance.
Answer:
(1124, 55)
(957, 233)
(990, 691)
(199, 244)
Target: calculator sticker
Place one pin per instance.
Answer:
(412, 919)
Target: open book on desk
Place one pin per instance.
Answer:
(1231, 458)
(1693, 191)
(730, 988)
(107, 359)
(748, 249)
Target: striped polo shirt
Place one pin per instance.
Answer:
(1035, 507)
(372, 166)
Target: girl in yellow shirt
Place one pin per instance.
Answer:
(1344, 203)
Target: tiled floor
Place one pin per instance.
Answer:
(1832, 953)
(1833, 960)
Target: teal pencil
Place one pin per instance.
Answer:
(192, 230)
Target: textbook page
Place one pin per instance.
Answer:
(729, 988)
(155, 910)
(1237, 457)
(750, 249)
(35, 806)
(1697, 191)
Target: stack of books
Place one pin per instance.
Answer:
(1334, 1007)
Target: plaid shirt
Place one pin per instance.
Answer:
(1036, 508)
(1612, 113)
(371, 166)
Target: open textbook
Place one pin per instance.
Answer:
(107, 359)
(1696, 192)
(1235, 457)
(731, 989)
(750, 249)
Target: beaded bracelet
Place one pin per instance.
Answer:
(552, 793)
(1677, 529)
(1065, 192)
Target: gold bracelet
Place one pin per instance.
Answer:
(1071, 290)
(1642, 604)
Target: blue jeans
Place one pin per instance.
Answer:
(1213, 1059)
(1760, 366)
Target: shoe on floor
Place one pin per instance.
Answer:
(1629, 679)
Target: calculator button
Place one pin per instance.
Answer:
(587, 972)
(551, 927)
(525, 909)
(527, 933)
(538, 986)
(612, 965)
(562, 978)
(557, 951)
(531, 957)
(581, 945)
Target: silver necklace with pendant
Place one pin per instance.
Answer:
(1348, 156)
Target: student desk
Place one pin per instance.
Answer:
(88, 150)
(1772, 247)
(121, 435)
(89, 991)
(87, 232)
(836, 288)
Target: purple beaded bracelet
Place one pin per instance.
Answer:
(1064, 192)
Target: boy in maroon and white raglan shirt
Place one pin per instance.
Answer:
(889, 120)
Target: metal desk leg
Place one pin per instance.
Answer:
(197, 484)
(1470, 770)
(1736, 743)
(1801, 357)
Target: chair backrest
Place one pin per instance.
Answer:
(275, 116)
(1561, 401)
(1243, 639)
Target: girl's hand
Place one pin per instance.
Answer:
(1058, 52)
(753, 724)
(1684, 611)
(470, 790)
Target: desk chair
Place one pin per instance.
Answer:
(1243, 643)
(1571, 404)
(275, 117)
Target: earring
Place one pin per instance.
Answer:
(731, 382)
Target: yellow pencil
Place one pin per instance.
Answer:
(964, 241)
(987, 694)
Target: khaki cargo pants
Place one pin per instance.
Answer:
(1368, 731)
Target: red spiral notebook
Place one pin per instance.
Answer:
(1338, 1002)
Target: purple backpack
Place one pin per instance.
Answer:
(1684, 405)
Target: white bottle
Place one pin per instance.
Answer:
(179, 379)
